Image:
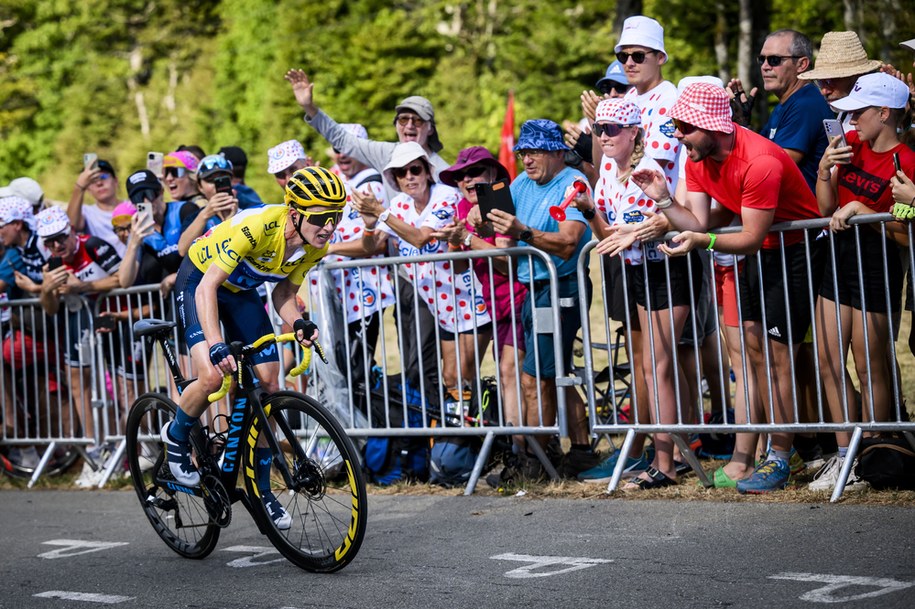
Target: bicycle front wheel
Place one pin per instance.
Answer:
(179, 518)
(324, 496)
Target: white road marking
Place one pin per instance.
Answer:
(75, 547)
(105, 599)
(827, 594)
(251, 561)
(541, 562)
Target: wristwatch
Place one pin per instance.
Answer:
(589, 214)
(384, 215)
(468, 239)
(527, 235)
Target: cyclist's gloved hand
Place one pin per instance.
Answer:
(307, 333)
(219, 352)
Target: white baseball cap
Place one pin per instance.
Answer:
(28, 189)
(641, 31)
(52, 221)
(878, 89)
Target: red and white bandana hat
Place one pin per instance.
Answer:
(618, 111)
(706, 106)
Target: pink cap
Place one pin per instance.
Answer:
(123, 209)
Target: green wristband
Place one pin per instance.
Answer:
(712, 237)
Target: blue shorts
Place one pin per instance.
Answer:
(242, 314)
(570, 319)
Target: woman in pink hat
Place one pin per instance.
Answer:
(476, 165)
(660, 289)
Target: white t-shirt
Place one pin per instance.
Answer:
(456, 299)
(623, 203)
(660, 143)
(98, 223)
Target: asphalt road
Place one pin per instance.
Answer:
(83, 549)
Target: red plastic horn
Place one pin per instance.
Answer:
(558, 212)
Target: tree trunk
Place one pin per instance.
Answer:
(721, 42)
(136, 66)
(624, 9)
(745, 43)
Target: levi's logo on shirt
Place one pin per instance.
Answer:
(862, 183)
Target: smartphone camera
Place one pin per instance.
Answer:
(105, 322)
(55, 262)
(223, 184)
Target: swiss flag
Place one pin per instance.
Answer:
(506, 155)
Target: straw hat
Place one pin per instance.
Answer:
(841, 55)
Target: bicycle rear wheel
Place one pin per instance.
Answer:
(327, 497)
(180, 519)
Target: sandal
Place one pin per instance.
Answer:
(655, 480)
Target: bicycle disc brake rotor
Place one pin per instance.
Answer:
(216, 500)
(310, 479)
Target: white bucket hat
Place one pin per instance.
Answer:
(282, 156)
(404, 154)
(641, 31)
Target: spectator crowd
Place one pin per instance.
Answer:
(758, 308)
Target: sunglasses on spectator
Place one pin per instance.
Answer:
(405, 119)
(322, 218)
(56, 239)
(606, 88)
(637, 56)
(102, 176)
(214, 163)
(175, 172)
(144, 194)
(285, 173)
(531, 153)
(774, 60)
(121, 229)
(401, 172)
(471, 172)
(684, 128)
(611, 129)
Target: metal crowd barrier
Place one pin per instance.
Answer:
(606, 394)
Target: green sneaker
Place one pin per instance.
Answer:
(722, 480)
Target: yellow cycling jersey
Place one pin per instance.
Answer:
(250, 247)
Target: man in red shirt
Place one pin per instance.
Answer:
(755, 179)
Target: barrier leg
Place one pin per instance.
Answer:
(621, 461)
(534, 445)
(693, 461)
(846, 467)
(114, 461)
(42, 463)
(482, 458)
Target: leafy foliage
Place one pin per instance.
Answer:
(121, 77)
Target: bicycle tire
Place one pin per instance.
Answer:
(58, 464)
(329, 516)
(180, 519)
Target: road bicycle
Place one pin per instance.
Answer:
(315, 473)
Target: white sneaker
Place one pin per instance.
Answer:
(828, 476)
(89, 477)
(278, 514)
(26, 458)
(179, 460)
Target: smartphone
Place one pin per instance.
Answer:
(144, 210)
(495, 196)
(105, 322)
(55, 262)
(154, 162)
(223, 184)
(834, 128)
(90, 159)
(896, 161)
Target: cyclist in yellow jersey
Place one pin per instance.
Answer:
(216, 283)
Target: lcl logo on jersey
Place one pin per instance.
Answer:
(479, 305)
(369, 297)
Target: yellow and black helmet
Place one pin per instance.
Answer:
(315, 186)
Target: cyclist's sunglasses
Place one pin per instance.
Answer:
(684, 128)
(637, 56)
(611, 129)
(175, 172)
(321, 218)
(401, 172)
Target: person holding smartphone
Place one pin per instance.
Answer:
(100, 180)
(860, 185)
(214, 178)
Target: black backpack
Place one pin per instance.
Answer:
(887, 463)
